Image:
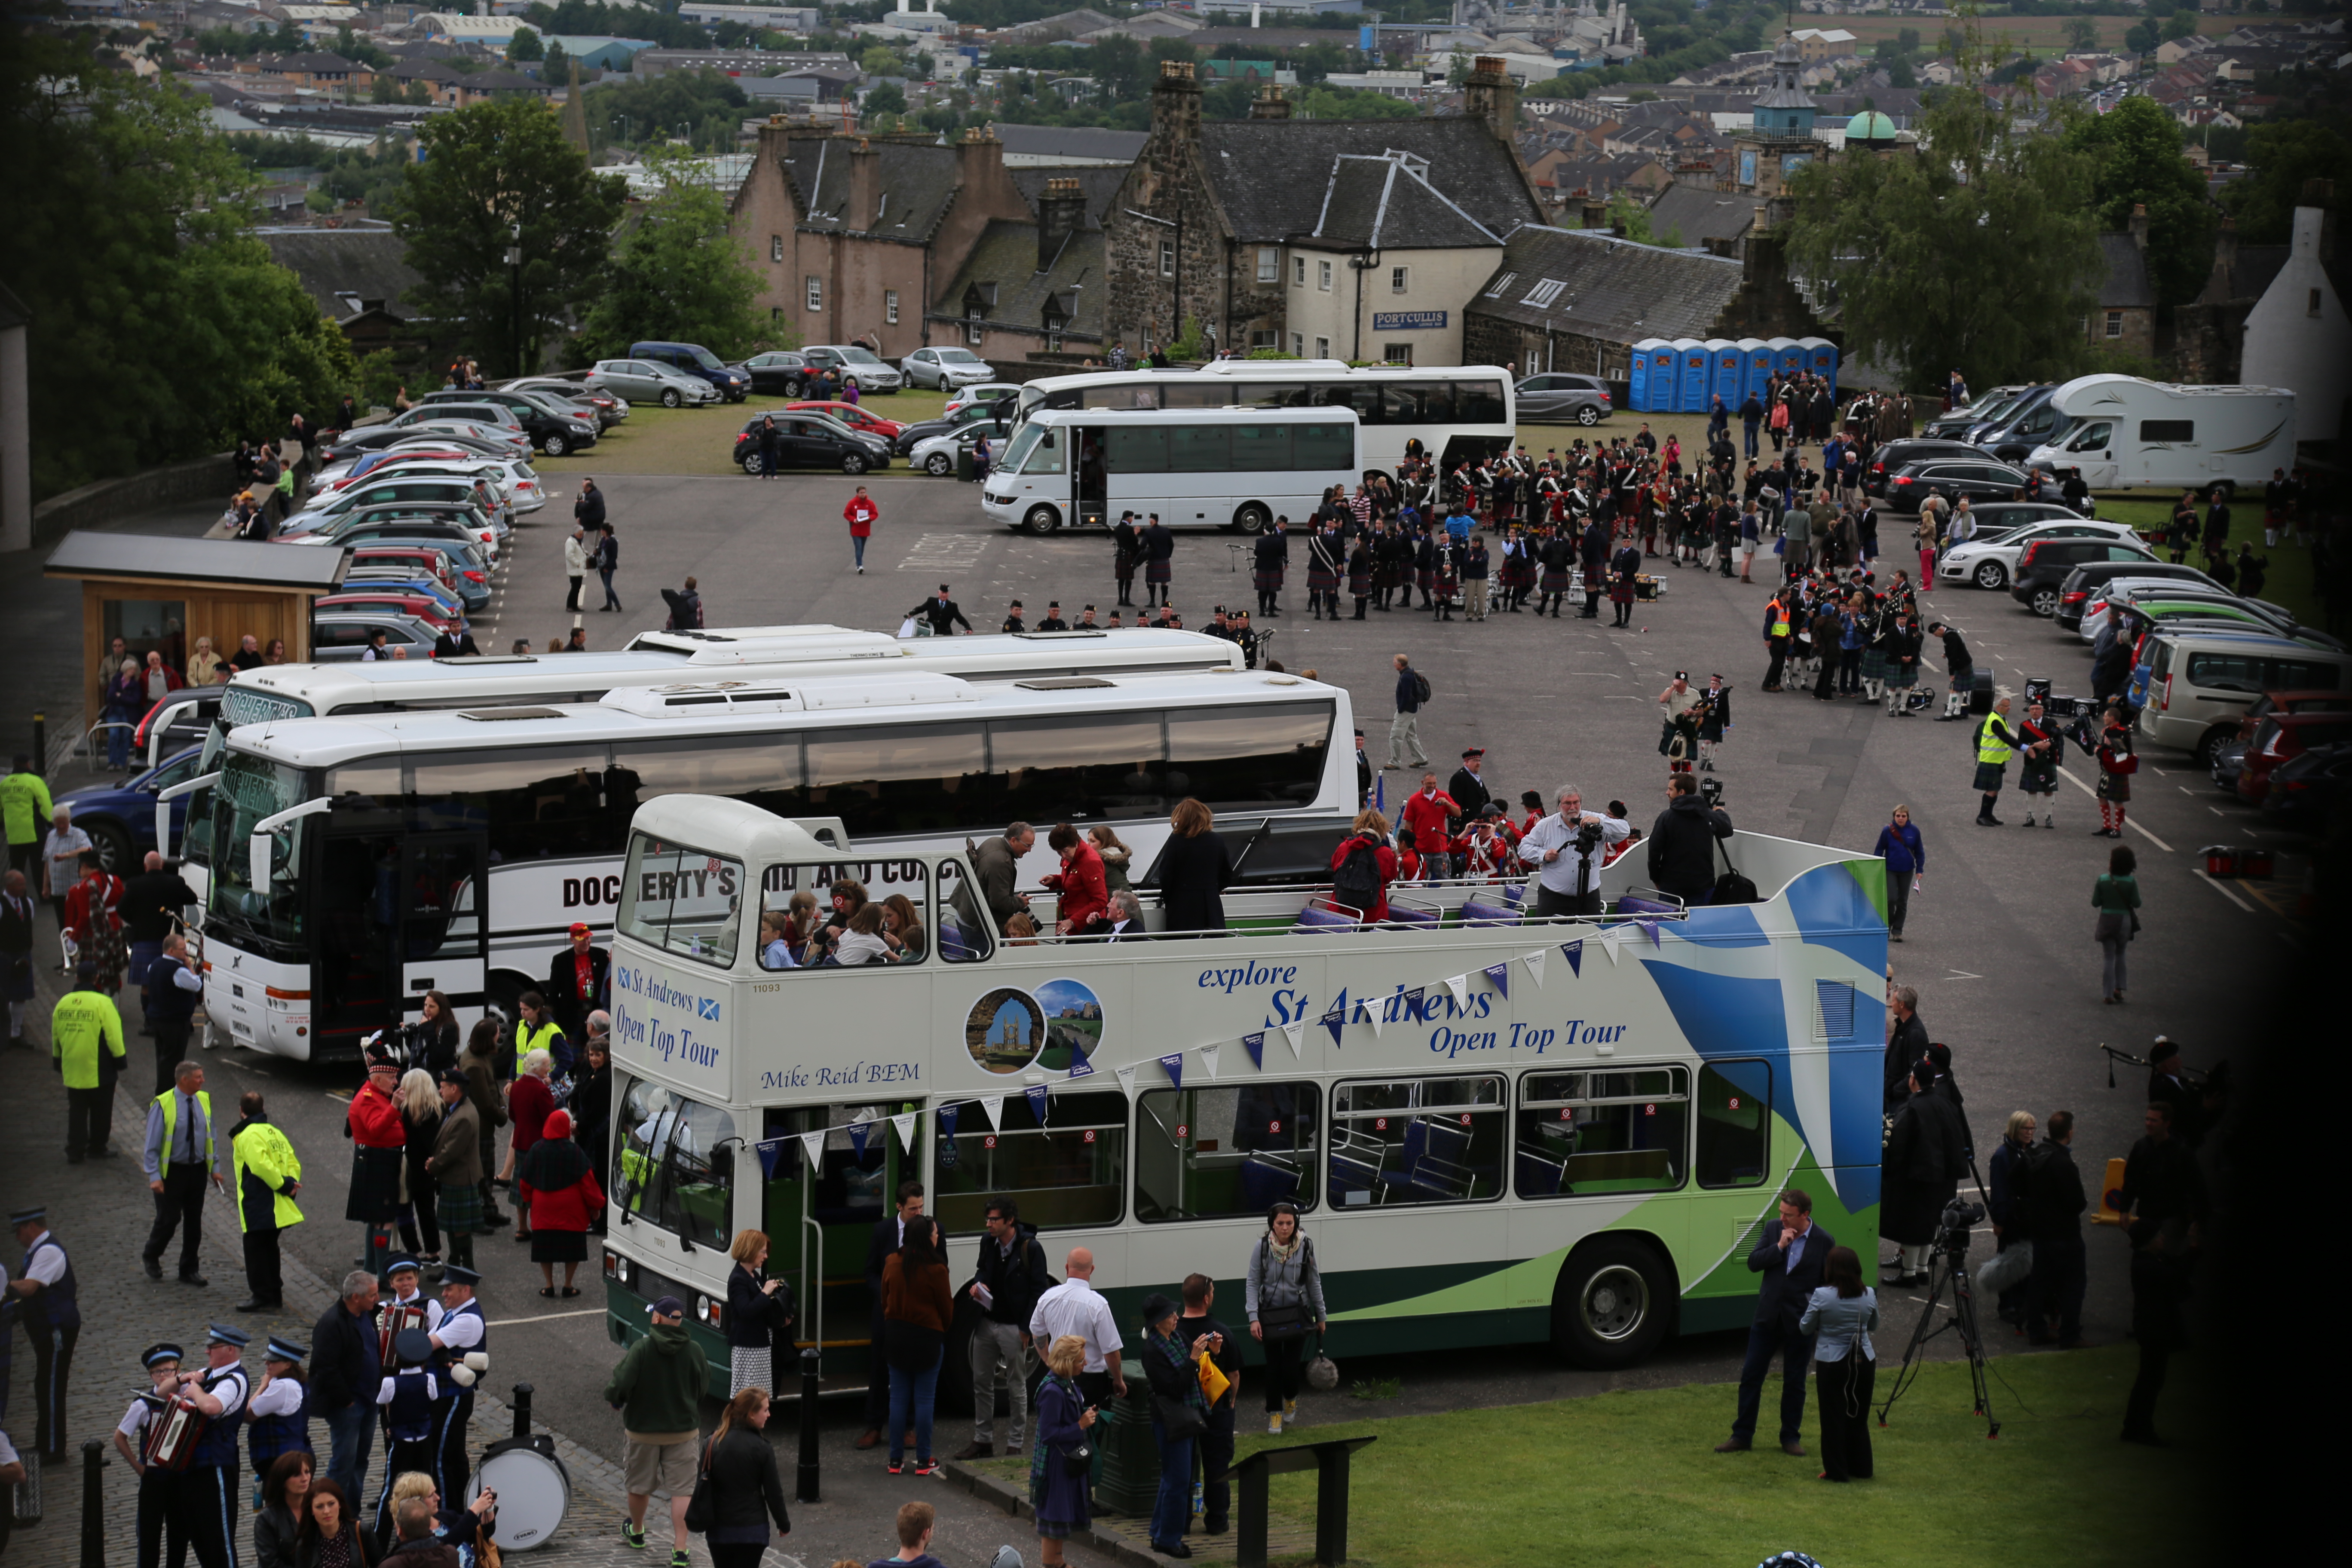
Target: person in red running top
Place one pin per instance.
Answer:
(1429, 811)
(860, 513)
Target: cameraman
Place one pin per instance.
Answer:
(1681, 842)
(1566, 848)
(1926, 1154)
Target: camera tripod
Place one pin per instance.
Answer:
(1947, 1268)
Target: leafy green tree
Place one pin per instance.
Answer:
(2138, 150)
(498, 175)
(1983, 255)
(885, 100)
(1631, 218)
(358, 50)
(880, 61)
(1350, 103)
(2180, 24)
(1118, 67)
(557, 66)
(2082, 34)
(525, 47)
(160, 326)
(680, 276)
(2280, 158)
(2142, 36)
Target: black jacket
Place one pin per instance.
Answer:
(1904, 1048)
(753, 1316)
(337, 1360)
(1681, 846)
(879, 1246)
(1194, 875)
(1781, 1298)
(1014, 1281)
(1925, 1161)
(744, 1486)
(562, 991)
(2054, 1194)
(1159, 544)
(149, 901)
(17, 930)
(589, 511)
(1468, 791)
(942, 614)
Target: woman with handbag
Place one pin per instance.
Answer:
(1285, 1301)
(737, 1491)
(1063, 1458)
(1840, 1315)
(1178, 1416)
(756, 1309)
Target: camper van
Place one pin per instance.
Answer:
(2122, 431)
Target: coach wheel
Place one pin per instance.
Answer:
(853, 463)
(671, 398)
(1041, 520)
(1588, 415)
(1252, 518)
(1611, 1305)
(502, 998)
(939, 465)
(1993, 575)
(2045, 603)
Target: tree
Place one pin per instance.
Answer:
(496, 175)
(2142, 36)
(1983, 255)
(680, 275)
(2180, 24)
(1118, 67)
(880, 61)
(557, 67)
(160, 326)
(2082, 34)
(525, 47)
(2280, 159)
(2138, 150)
(1900, 74)
(885, 98)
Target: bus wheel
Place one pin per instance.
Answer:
(1041, 520)
(1252, 519)
(1611, 1305)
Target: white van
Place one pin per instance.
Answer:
(2122, 431)
(1236, 468)
(2201, 683)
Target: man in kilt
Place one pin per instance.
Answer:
(1558, 556)
(1624, 569)
(1271, 559)
(1158, 560)
(1324, 555)
(1445, 573)
(1424, 565)
(379, 1151)
(1392, 558)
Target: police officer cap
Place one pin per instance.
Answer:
(458, 1274)
(286, 1350)
(160, 1352)
(414, 1346)
(27, 1217)
(227, 1335)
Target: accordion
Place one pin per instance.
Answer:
(391, 1318)
(174, 1428)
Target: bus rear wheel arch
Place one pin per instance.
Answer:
(1614, 1303)
(1252, 517)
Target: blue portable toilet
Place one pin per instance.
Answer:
(1690, 370)
(1821, 359)
(1722, 372)
(1787, 356)
(1637, 373)
(1662, 373)
(1756, 370)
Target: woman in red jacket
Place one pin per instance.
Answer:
(560, 1189)
(1372, 833)
(1085, 898)
(529, 1102)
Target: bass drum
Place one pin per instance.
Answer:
(534, 1490)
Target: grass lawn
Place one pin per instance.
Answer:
(698, 441)
(1631, 1478)
(2290, 582)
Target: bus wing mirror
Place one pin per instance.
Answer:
(260, 869)
(163, 799)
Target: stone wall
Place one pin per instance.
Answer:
(94, 505)
(1151, 297)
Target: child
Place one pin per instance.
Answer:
(861, 941)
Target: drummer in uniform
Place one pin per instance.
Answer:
(203, 1498)
(131, 1440)
(458, 1333)
(278, 1412)
(409, 1398)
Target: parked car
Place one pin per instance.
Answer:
(2307, 790)
(469, 582)
(2201, 681)
(2045, 563)
(387, 437)
(2283, 736)
(1895, 456)
(178, 718)
(412, 521)
(945, 368)
(2087, 581)
(1990, 562)
(2171, 607)
(937, 455)
(811, 441)
(2230, 755)
(873, 373)
(447, 601)
(1556, 395)
(462, 408)
(121, 818)
(855, 416)
(341, 638)
(1955, 424)
(924, 429)
(610, 408)
(369, 598)
(777, 371)
(649, 381)
(1994, 418)
(2014, 437)
(2105, 596)
(1952, 478)
(445, 489)
(554, 431)
(983, 394)
(693, 359)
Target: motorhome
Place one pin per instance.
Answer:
(2122, 431)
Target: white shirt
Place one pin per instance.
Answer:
(1553, 834)
(134, 1420)
(1073, 1308)
(459, 1331)
(432, 1308)
(283, 1396)
(228, 1386)
(48, 1267)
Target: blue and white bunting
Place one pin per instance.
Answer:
(1209, 1059)
(1535, 962)
(1499, 976)
(857, 1134)
(1174, 1065)
(1296, 1034)
(948, 1114)
(1255, 1045)
(994, 1105)
(1080, 1066)
(769, 1153)
(904, 1124)
(1574, 952)
(1041, 1103)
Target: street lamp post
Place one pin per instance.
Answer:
(514, 268)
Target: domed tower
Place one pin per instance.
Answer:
(1779, 138)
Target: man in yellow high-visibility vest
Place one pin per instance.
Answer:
(1995, 743)
(266, 1174)
(86, 1044)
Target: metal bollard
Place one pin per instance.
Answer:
(93, 1505)
(522, 1392)
(806, 1491)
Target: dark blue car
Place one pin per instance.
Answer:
(121, 818)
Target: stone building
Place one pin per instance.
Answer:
(1779, 139)
(1216, 222)
(1033, 288)
(2125, 317)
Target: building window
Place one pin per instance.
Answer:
(1298, 345)
(1262, 340)
(1397, 353)
(1298, 270)
(1400, 280)
(2313, 308)
(1322, 348)
(775, 315)
(972, 329)
(2115, 323)
(1500, 284)
(1053, 340)
(815, 295)
(890, 305)
(775, 248)
(1269, 265)
(1168, 258)
(1323, 276)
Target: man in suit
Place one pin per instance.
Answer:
(577, 981)
(1468, 787)
(889, 1233)
(1905, 1046)
(16, 953)
(942, 612)
(1123, 920)
(1789, 1257)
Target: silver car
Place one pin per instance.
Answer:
(341, 637)
(1557, 397)
(649, 381)
(945, 368)
(871, 372)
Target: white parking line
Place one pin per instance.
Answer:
(547, 1318)
(2225, 892)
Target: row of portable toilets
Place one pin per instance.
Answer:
(1686, 375)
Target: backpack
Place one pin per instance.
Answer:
(1357, 883)
(1419, 686)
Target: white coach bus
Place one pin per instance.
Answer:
(364, 859)
(1196, 467)
(1500, 1131)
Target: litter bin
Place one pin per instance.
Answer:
(965, 471)
(1128, 1481)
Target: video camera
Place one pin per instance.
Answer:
(1711, 792)
(1952, 1227)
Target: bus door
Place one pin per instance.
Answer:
(821, 1216)
(443, 943)
(1092, 508)
(355, 978)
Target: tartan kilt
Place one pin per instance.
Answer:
(1122, 564)
(1518, 572)
(1388, 575)
(1425, 578)
(1319, 580)
(1445, 585)
(1267, 582)
(376, 1184)
(1157, 571)
(1360, 584)
(460, 1210)
(1620, 591)
(1874, 664)
(1558, 581)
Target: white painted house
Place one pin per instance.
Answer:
(2298, 337)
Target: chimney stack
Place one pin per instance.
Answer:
(980, 159)
(1176, 103)
(864, 187)
(1061, 213)
(2139, 226)
(1594, 216)
(1489, 94)
(1270, 104)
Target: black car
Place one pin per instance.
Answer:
(2075, 588)
(2306, 790)
(1892, 458)
(778, 370)
(806, 440)
(2025, 428)
(2044, 566)
(552, 432)
(1979, 478)
(924, 429)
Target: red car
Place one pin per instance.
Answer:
(856, 417)
(431, 612)
(2282, 736)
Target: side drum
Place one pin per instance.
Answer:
(534, 1490)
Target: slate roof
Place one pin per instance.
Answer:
(1376, 203)
(2257, 267)
(1099, 185)
(1069, 142)
(1006, 257)
(1270, 174)
(1608, 289)
(2125, 285)
(330, 262)
(1698, 216)
(917, 184)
